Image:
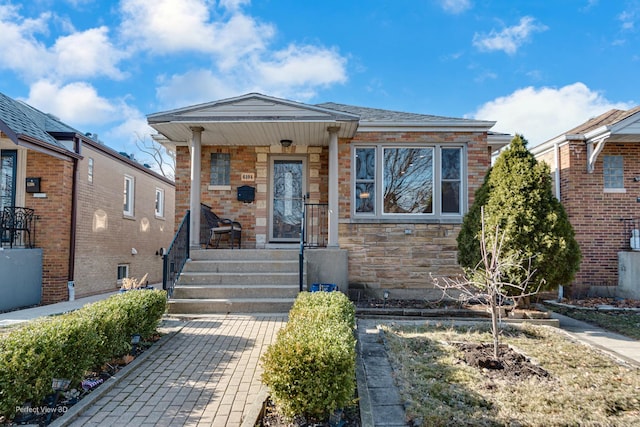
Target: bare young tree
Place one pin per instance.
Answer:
(486, 283)
(164, 159)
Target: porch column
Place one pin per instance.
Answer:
(195, 148)
(333, 186)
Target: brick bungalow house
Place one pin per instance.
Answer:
(63, 220)
(596, 172)
(395, 185)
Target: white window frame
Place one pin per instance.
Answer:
(129, 195)
(159, 203)
(608, 173)
(90, 167)
(126, 272)
(437, 214)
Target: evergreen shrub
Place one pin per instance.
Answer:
(310, 368)
(69, 345)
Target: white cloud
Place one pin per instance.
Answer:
(628, 19)
(302, 66)
(170, 26)
(509, 39)
(77, 104)
(193, 87)
(87, 54)
(295, 72)
(77, 55)
(455, 6)
(544, 113)
(19, 49)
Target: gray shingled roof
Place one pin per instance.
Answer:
(609, 118)
(20, 119)
(380, 115)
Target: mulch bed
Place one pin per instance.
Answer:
(350, 417)
(510, 365)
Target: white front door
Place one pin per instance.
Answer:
(288, 187)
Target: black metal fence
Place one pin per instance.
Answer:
(176, 256)
(17, 227)
(632, 233)
(316, 225)
(314, 232)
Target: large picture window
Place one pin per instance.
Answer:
(421, 181)
(408, 180)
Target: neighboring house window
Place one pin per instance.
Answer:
(128, 195)
(613, 172)
(123, 272)
(423, 181)
(90, 170)
(220, 169)
(159, 202)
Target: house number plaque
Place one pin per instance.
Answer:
(248, 177)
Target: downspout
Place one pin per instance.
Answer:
(74, 223)
(556, 148)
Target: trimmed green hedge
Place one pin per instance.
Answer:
(310, 368)
(69, 345)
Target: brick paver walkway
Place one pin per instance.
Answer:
(207, 374)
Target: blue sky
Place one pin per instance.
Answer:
(535, 67)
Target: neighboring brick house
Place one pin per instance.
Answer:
(596, 174)
(75, 186)
(396, 185)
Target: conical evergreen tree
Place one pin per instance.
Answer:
(517, 196)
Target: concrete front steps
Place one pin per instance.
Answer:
(217, 281)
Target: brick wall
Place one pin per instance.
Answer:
(595, 214)
(54, 224)
(380, 255)
(252, 216)
(105, 237)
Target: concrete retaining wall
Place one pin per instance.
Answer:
(328, 266)
(20, 278)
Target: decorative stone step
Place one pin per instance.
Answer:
(234, 291)
(258, 278)
(241, 266)
(231, 305)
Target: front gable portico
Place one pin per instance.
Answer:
(396, 219)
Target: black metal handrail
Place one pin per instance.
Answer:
(176, 256)
(314, 232)
(632, 233)
(17, 227)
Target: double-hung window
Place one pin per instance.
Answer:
(403, 181)
(159, 205)
(128, 195)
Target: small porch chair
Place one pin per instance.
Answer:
(212, 228)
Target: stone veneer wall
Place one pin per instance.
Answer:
(402, 257)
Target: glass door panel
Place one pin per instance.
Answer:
(287, 203)
(8, 165)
